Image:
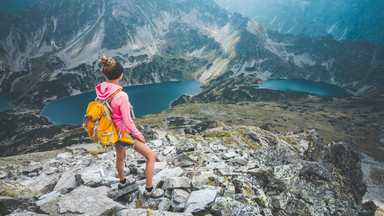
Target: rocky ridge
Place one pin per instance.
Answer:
(209, 168)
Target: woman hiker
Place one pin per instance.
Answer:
(121, 107)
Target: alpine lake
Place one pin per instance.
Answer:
(145, 99)
(155, 98)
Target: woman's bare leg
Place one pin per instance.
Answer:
(120, 157)
(150, 155)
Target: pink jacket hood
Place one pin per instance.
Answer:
(105, 89)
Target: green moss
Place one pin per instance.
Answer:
(211, 183)
(13, 189)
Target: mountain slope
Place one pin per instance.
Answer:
(340, 19)
(51, 49)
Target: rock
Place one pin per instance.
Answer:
(292, 173)
(228, 155)
(43, 183)
(3, 175)
(200, 181)
(348, 162)
(148, 132)
(50, 196)
(33, 167)
(201, 200)
(114, 193)
(183, 160)
(176, 183)
(280, 201)
(172, 139)
(169, 149)
(83, 200)
(159, 166)
(67, 180)
(370, 207)
(145, 212)
(163, 174)
(185, 146)
(64, 156)
(164, 204)
(147, 202)
(8, 204)
(179, 197)
(27, 214)
(226, 206)
(98, 175)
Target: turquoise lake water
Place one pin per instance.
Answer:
(304, 86)
(6, 99)
(145, 99)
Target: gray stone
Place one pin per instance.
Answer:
(43, 183)
(83, 200)
(97, 175)
(240, 161)
(114, 193)
(183, 160)
(200, 181)
(48, 170)
(163, 174)
(164, 204)
(179, 197)
(27, 213)
(159, 166)
(67, 180)
(33, 167)
(3, 175)
(50, 196)
(172, 139)
(64, 156)
(226, 206)
(228, 155)
(169, 149)
(185, 146)
(176, 182)
(145, 212)
(147, 202)
(201, 200)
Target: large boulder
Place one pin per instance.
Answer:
(83, 200)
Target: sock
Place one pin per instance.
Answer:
(149, 189)
(123, 181)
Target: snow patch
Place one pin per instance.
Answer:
(197, 53)
(49, 99)
(330, 30)
(302, 60)
(239, 69)
(363, 89)
(328, 63)
(254, 28)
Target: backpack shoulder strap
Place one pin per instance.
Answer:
(113, 95)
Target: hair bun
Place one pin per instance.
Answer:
(103, 60)
(107, 61)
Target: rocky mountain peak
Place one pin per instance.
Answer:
(218, 169)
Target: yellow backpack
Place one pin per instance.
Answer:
(99, 125)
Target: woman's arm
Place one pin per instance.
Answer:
(125, 108)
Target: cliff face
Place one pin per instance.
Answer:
(204, 168)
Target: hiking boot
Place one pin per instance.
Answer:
(155, 193)
(129, 181)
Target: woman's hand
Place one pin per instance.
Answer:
(142, 139)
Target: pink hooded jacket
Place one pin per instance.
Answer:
(120, 106)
